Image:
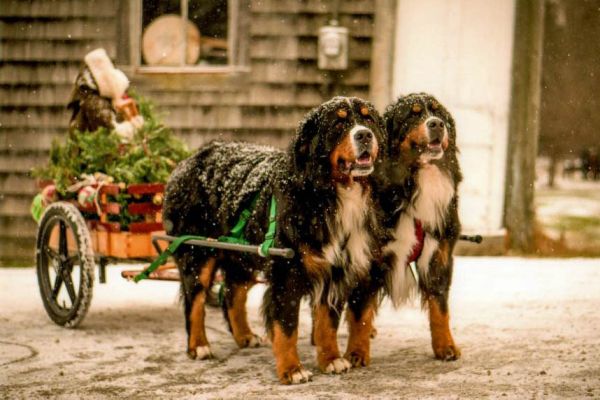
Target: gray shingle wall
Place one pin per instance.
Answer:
(42, 43)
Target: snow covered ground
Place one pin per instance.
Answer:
(528, 328)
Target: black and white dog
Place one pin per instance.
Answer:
(417, 191)
(325, 212)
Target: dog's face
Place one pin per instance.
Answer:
(339, 140)
(420, 129)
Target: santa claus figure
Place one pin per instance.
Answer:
(100, 98)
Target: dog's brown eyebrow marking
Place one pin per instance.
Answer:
(416, 108)
(342, 113)
(364, 111)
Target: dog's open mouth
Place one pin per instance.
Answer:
(361, 166)
(435, 146)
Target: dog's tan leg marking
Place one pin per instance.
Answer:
(361, 331)
(315, 265)
(325, 336)
(242, 334)
(206, 273)
(198, 346)
(441, 338)
(443, 253)
(289, 369)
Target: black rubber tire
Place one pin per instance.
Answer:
(73, 267)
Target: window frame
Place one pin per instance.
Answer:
(237, 42)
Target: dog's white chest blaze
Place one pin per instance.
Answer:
(435, 191)
(349, 246)
(350, 242)
(400, 283)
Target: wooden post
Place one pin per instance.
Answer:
(382, 53)
(519, 215)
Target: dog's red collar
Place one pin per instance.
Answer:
(418, 247)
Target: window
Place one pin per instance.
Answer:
(188, 35)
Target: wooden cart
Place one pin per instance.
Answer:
(72, 240)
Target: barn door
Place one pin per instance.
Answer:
(460, 51)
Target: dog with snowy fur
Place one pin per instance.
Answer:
(417, 190)
(325, 212)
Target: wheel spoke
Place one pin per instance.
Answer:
(62, 240)
(53, 259)
(51, 253)
(63, 271)
(58, 281)
(72, 261)
(69, 286)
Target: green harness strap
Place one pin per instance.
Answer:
(238, 230)
(236, 238)
(263, 250)
(162, 258)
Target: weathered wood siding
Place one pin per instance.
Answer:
(42, 43)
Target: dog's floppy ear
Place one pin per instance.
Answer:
(303, 147)
(391, 126)
(394, 117)
(380, 131)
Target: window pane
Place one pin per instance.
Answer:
(153, 9)
(204, 41)
(210, 17)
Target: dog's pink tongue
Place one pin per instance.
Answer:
(364, 160)
(436, 144)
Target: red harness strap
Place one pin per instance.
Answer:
(418, 247)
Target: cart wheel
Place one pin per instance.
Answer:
(65, 264)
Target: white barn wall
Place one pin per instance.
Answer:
(461, 51)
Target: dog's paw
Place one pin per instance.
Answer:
(250, 340)
(200, 353)
(256, 341)
(295, 375)
(338, 366)
(449, 352)
(357, 359)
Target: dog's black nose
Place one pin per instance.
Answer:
(435, 123)
(436, 128)
(363, 136)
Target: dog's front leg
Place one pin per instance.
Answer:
(281, 308)
(360, 314)
(326, 323)
(437, 287)
(442, 342)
